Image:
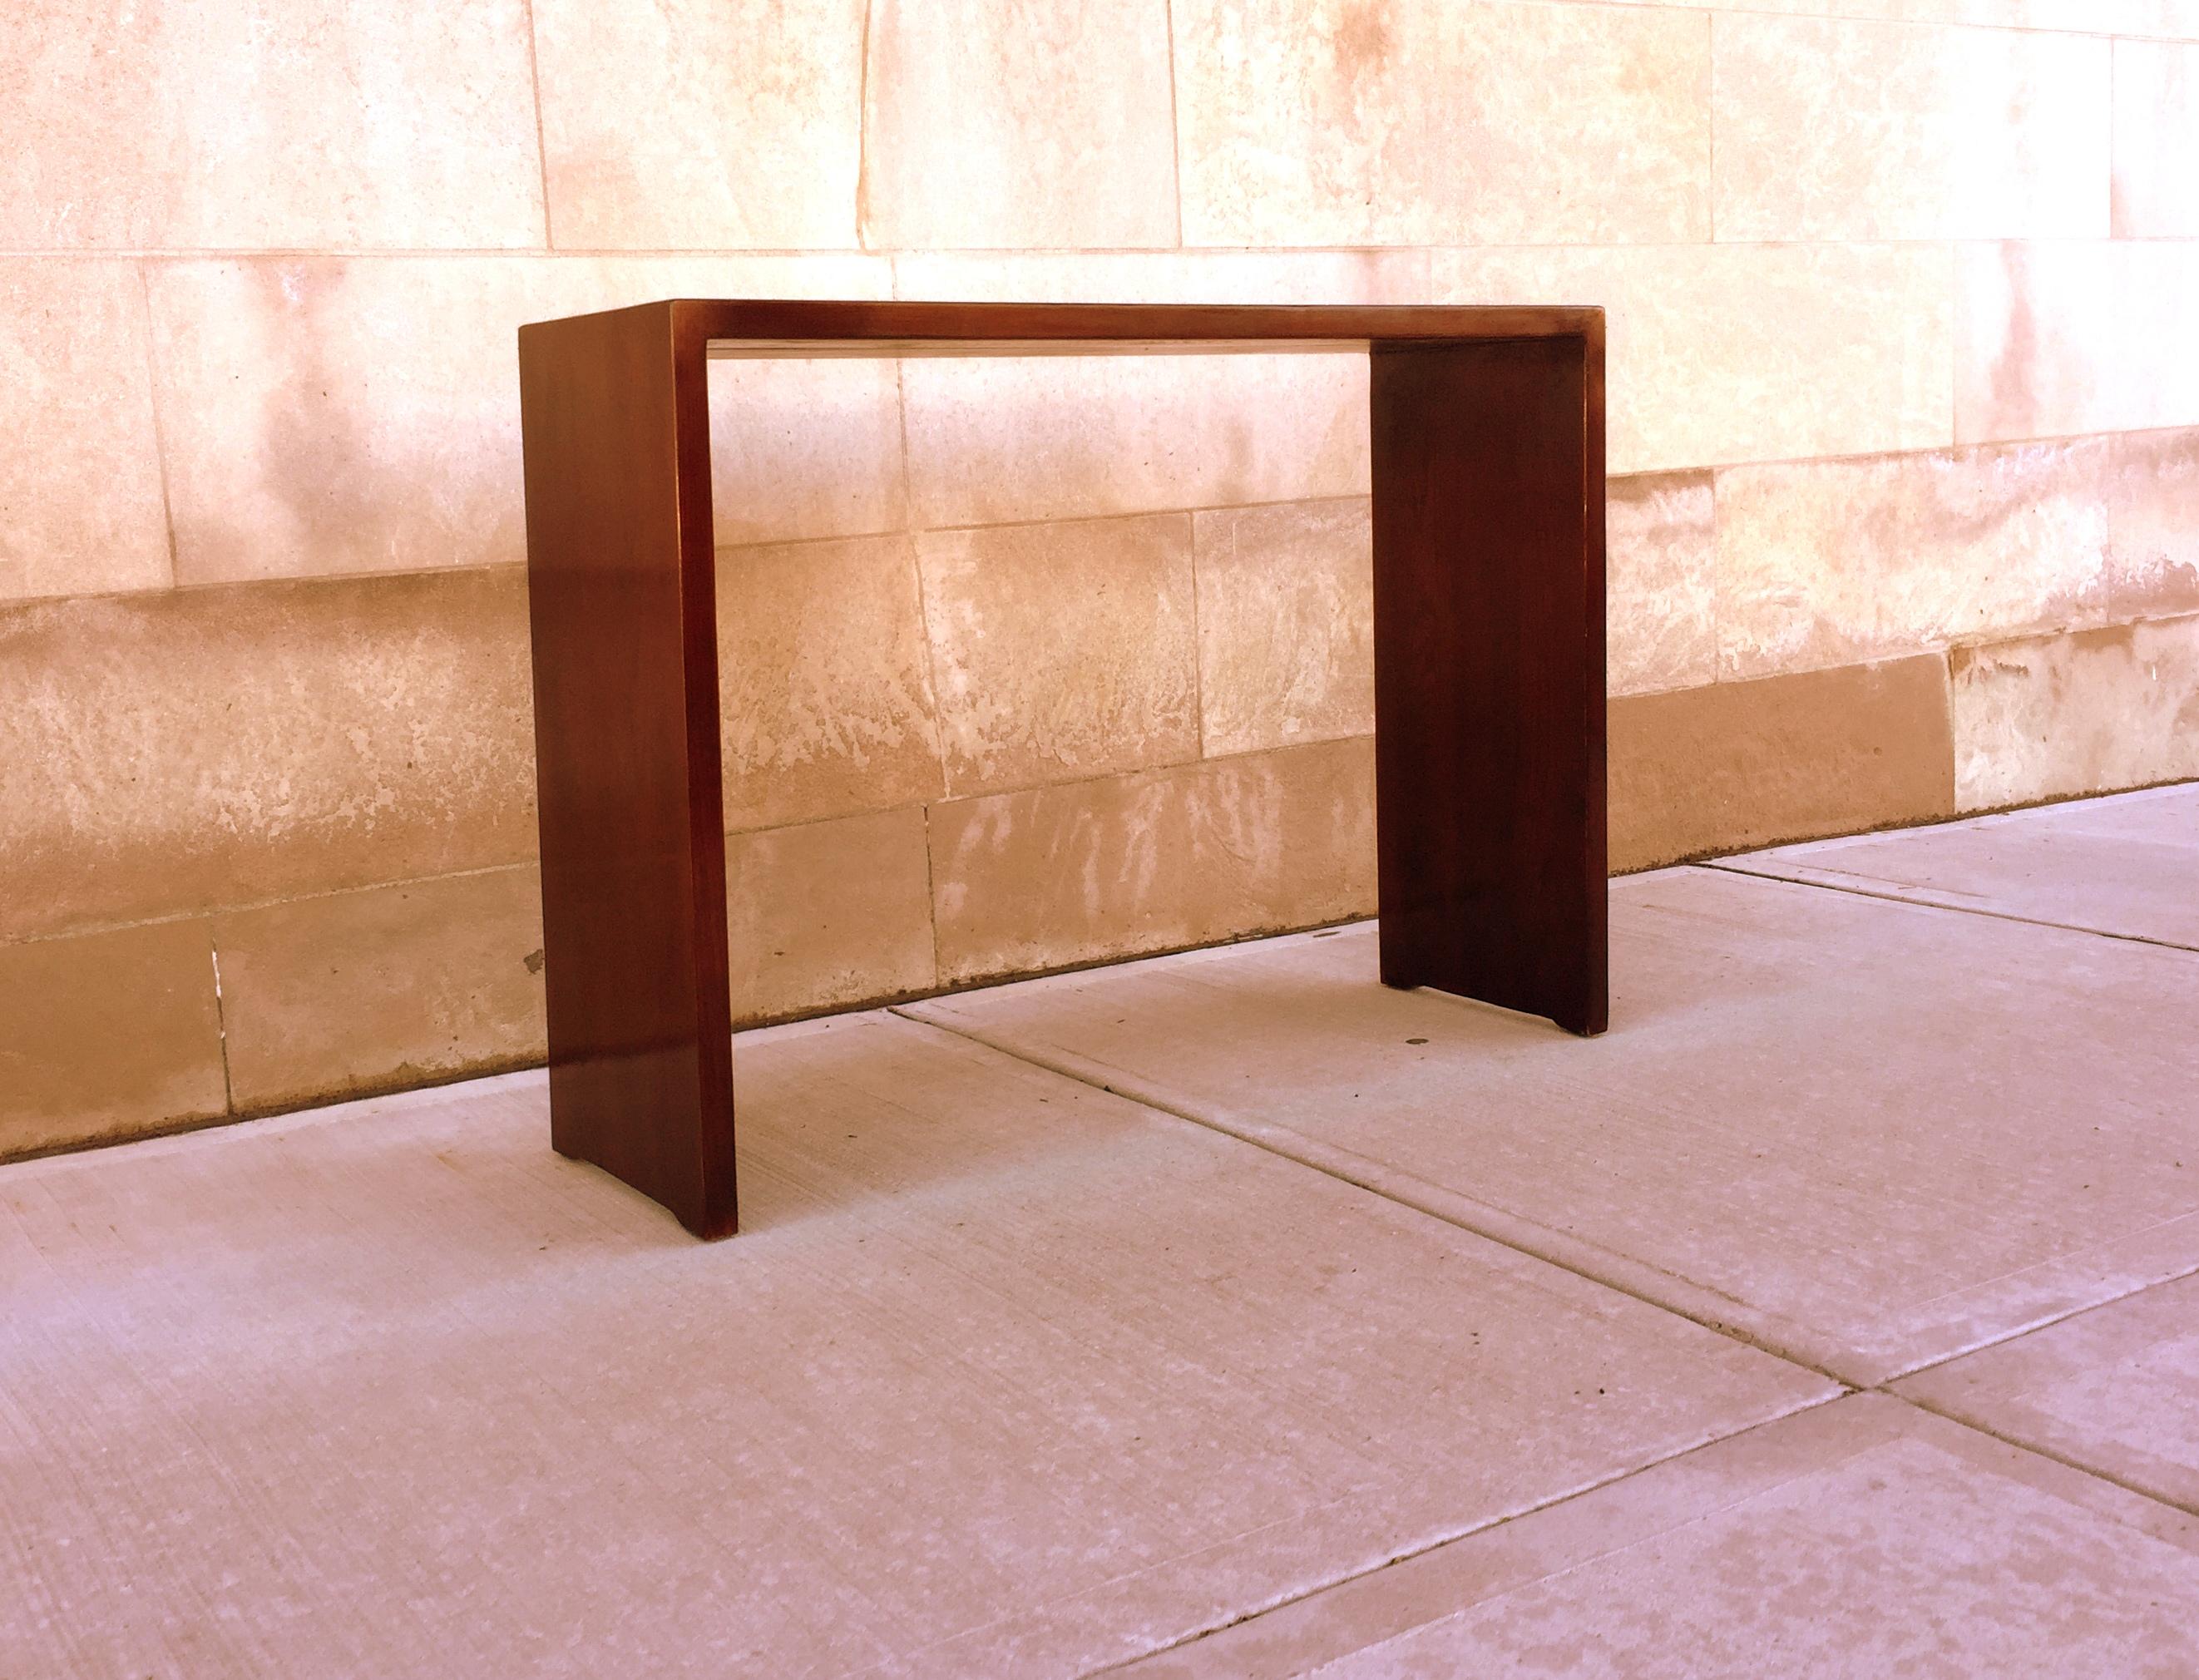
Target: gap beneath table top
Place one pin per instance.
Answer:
(754, 349)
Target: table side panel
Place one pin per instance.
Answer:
(1489, 672)
(625, 669)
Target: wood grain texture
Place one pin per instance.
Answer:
(1489, 672)
(622, 597)
(902, 328)
(1488, 550)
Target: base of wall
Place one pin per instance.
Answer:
(132, 1032)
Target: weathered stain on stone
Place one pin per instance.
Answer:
(1005, 439)
(825, 688)
(829, 915)
(1054, 877)
(1342, 122)
(1062, 651)
(1360, 41)
(2047, 717)
(2153, 511)
(1831, 563)
(755, 131)
(222, 746)
(1660, 582)
(1285, 624)
(80, 473)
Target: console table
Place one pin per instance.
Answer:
(1486, 426)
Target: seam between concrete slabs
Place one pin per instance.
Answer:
(2010, 1442)
(1283, 1602)
(2037, 1450)
(1392, 1184)
(1727, 866)
(1884, 1386)
(1389, 1185)
(1795, 1344)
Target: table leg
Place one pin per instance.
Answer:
(1489, 672)
(621, 577)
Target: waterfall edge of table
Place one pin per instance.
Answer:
(1486, 435)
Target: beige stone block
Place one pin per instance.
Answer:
(108, 1036)
(1758, 352)
(1285, 624)
(1053, 877)
(198, 125)
(2169, 19)
(1285, 611)
(1325, 122)
(1001, 127)
(1832, 562)
(1065, 438)
(803, 449)
(214, 747)
(1061, 651)
(2040, 343)
(2175, 20)
(722, 125)
(2056, 339)
(2153, 522)
(326, 415)
(1071, 437)
(2155, 192)
(1659, 582)
(829, 915)
(823, 685)
(1843, 130)
(2089, 712)
(80, 476)
(1370, 276)
(397, 986)
(1740, 765)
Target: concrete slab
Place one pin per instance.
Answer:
(1870, 1135)
(2127, 866)
(1005, 1376)
(2115, 1391)
(1862, 1539)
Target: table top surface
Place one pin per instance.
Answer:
(756, 327)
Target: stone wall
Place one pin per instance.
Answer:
(1027, 664)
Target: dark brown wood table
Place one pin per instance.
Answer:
(1488, 453)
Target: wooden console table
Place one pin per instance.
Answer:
(1488, 454)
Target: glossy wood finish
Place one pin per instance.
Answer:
(621, 585)
(1487, 427)
(811, 328)
(1489, 672)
